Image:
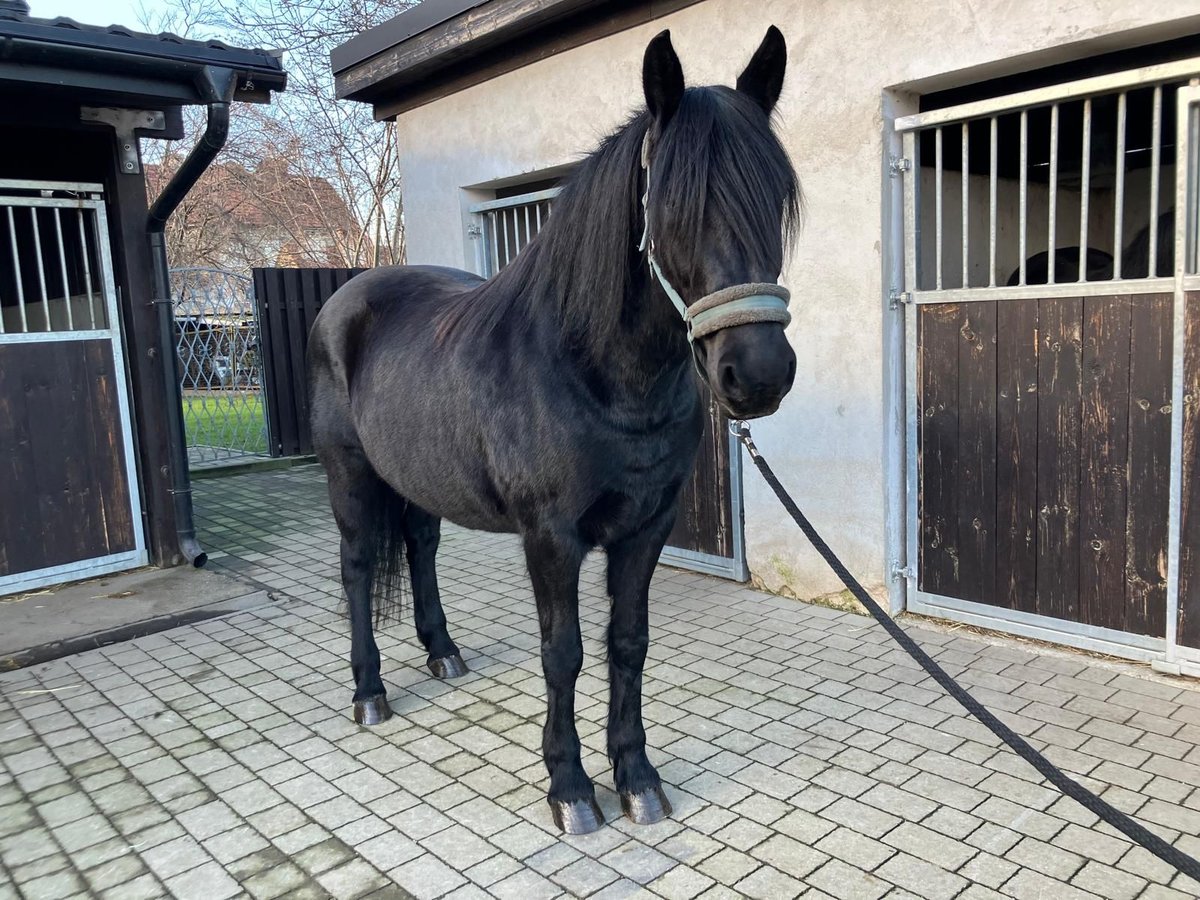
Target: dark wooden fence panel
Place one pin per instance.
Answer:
(1044, 453)
(288, 303)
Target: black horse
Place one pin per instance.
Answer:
(1066, 267)
(557, 400)
(1135, 258)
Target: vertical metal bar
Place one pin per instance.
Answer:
(1186, 163)
(87, 270)
(966, 204)
(1119, 194)
(537, 214)
(528, 232)
(16, 258)
(912, 182)
(62, 268)
(1085, 187)
(1052, 236)
(504, 224)
(1191, 228)
(495, 242)
(1155, 177)
(1024, 192)
(992, 203)
(937, 189)
(37, 254)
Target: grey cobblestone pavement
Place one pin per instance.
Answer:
(804, 754)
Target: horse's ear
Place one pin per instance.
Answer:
(763, 79)
(662, 78)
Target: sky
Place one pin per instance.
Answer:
(96, 12)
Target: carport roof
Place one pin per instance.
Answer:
(113, 63)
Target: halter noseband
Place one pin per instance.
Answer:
(738, 304)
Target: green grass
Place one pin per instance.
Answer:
(229, 419)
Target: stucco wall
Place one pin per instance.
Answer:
(828, 439)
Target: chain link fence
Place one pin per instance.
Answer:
(220, 366)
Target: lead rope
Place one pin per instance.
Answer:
(1114, 817)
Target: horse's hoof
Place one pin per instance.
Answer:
(576, 816)
(646, 807)
(372, 711)
(448, 667)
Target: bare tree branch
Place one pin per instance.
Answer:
(307, 180)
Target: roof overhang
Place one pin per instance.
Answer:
(98, 66)
(443, 46)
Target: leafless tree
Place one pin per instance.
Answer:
(280, 160)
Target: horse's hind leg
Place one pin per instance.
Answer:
(359, 500)
(422, 533)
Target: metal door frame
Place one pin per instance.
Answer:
(91, 199)
(1163, 653)
(482, 230)
(1177, 659)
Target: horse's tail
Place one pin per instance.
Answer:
(388, 565)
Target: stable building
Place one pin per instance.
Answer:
(93, 464)
(988, 424)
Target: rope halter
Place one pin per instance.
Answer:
(738, 304)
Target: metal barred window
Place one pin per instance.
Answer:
(505, 226)
(50, 273)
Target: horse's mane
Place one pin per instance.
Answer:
(717, 156)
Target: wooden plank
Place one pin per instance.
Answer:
(1104, 450)
(1149, 461)
(294, 313)
(266, 357)
(312, 296)
(1060, 334)
(704, 523)
(1189, 551)
(938, 399)
(1016, 454)
(18, 541)
(273, 328)
(51, 398)
(107, 449)
(326, 285)
(977, 453)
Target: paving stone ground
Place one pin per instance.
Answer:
(804, 754)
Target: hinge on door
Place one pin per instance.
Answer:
(899, 571)
(898, 165)
(897, 297)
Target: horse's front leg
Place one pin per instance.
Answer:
(554, 560)
(631, 565)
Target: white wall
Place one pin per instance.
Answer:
(827, 441)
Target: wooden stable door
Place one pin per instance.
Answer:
(1045, 433)
(69, 504)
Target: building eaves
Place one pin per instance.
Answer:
(416, 60)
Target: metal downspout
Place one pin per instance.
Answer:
(217, 85)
